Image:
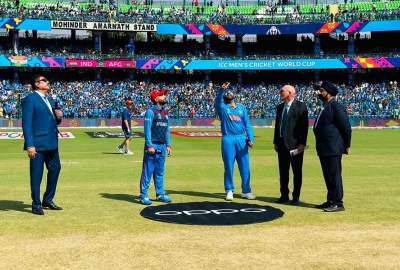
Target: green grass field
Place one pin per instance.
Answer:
(101, 228)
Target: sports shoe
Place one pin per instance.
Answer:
(229, 196)
(323, 205)
(334, 208)
(248, 196)
(164, 198)
(146, 201)
(128, 153)
(120, 148)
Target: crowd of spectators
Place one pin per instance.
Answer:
(184, 15)
(91, 99)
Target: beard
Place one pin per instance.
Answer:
(321, 97)
(162, 102)
(228, 100)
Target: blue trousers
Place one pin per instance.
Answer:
(332, 170)
(52, 161)
(235, 148)
(153, 165)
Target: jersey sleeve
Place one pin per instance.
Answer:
(168, 136)
(247, 125)
(148, 121)
(219, 103)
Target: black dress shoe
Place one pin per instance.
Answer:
(38, 211)
(323, 205)
(334, 208)
(52, 206)
(282, 200)
(295, 202)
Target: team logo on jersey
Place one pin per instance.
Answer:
(235, 118)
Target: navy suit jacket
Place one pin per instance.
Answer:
(296, 125)
(39, 124)
(333, 130)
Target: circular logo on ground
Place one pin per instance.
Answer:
(212, 213)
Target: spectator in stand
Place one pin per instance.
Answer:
(92, 99)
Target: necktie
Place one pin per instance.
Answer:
(48, 104)
(283, 120)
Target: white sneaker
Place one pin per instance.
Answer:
(229, 196)
(129, 153)
(248, 196)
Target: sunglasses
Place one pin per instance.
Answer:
(43, 80)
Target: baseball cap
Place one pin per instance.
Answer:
(156, 93)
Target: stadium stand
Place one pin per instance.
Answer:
(90, 99)
(223, 13)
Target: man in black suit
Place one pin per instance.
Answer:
(291, 129)
(333, 135)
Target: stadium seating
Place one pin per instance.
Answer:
(91, 99)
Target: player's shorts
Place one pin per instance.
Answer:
(127, 134)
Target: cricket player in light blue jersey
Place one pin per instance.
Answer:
(157, 147)
(237, 137)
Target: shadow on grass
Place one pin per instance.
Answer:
(273, 200)
(6, 205)
(121, 197)
(111, 153)
(197, 194)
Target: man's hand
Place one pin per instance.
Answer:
(151, 150)
(301, 148)
(276, 147)
(347, 151)
(225, 85)
(31, 152)
(59, 114)
(169, 151)
(249, 143)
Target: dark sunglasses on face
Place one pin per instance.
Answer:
(43, 80)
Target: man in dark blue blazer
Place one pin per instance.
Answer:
(291, 130)
(333, 136)
(39, 125)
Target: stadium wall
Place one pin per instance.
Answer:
(187, 64)
(356, 122)
(204, 29)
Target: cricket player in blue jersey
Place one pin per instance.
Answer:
(157, 147)
(126, 128)
(237, 137)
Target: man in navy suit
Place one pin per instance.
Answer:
(291, 130)
(39, 125)
(333, 136)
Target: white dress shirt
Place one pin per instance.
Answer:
(45, 101)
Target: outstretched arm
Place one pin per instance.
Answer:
(219, 97)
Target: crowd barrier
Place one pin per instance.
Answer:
(359, 122)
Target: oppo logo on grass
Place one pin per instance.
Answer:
(216, 212)
(212, 213)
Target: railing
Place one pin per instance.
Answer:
(368, 122)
